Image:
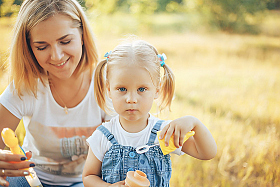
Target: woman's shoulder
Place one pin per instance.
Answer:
(11, 93)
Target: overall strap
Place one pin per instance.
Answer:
(154, 131)
(108, 134)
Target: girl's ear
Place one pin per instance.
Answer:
(108, 89)
(157, 91)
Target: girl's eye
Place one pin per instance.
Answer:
(65, 42)
(122, 89)
(142, 89)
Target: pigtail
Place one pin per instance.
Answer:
(167, 88)
(100, 85)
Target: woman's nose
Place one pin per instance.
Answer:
(131, 98)
(56, 53)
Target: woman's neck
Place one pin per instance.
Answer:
(72, 81)
(70, 92)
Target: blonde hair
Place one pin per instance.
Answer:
(144, 55)
(25, 70)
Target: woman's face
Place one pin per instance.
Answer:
(57, 45)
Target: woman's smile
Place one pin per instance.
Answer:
(60, 64)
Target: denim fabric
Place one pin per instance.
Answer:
(17, 182)
(78, 184)
(22, 182)
(121, 159)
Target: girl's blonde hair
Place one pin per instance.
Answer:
(25, 70)
(144, 55)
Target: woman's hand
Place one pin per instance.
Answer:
(13, 165)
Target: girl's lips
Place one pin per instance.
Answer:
(131, 110)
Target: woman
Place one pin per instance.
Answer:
(53, 56)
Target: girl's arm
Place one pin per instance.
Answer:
(92, 173)
(202, 145)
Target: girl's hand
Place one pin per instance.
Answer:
(179, 127)
(202, 145)
(13, 165)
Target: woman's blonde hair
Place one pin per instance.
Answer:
(144, 55)
(25, 70)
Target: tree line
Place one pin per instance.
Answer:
(224, 14)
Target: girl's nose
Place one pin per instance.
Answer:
(131, 98)
(56, 53)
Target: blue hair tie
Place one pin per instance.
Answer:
(107, 55)
(162, 59)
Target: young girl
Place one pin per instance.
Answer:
(132, 82)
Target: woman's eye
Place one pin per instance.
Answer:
(141, 89)
(122, 89)
(41, 48)
(65, 42)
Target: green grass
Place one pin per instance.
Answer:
(230, 82)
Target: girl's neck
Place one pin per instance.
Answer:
(134, 126)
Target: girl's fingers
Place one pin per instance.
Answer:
(177, 139)
(181, 141)
(163, 131)
(168, 134)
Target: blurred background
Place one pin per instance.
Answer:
(226, 58)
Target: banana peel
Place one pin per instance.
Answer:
(171, 147)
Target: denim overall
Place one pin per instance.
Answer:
(121, 159)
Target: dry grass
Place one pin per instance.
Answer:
(232, 84)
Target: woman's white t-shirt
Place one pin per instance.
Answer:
(57, 140)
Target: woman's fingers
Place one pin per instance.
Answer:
(28, 154)
(3, 181)
(16, 165)
(13, 173)
(8, 157)
(13, 165)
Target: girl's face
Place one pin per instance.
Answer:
(132, 92)
(57, 45)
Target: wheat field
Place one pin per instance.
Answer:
(231, 83)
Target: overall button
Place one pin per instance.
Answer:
(131, 154)
(142, 161)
